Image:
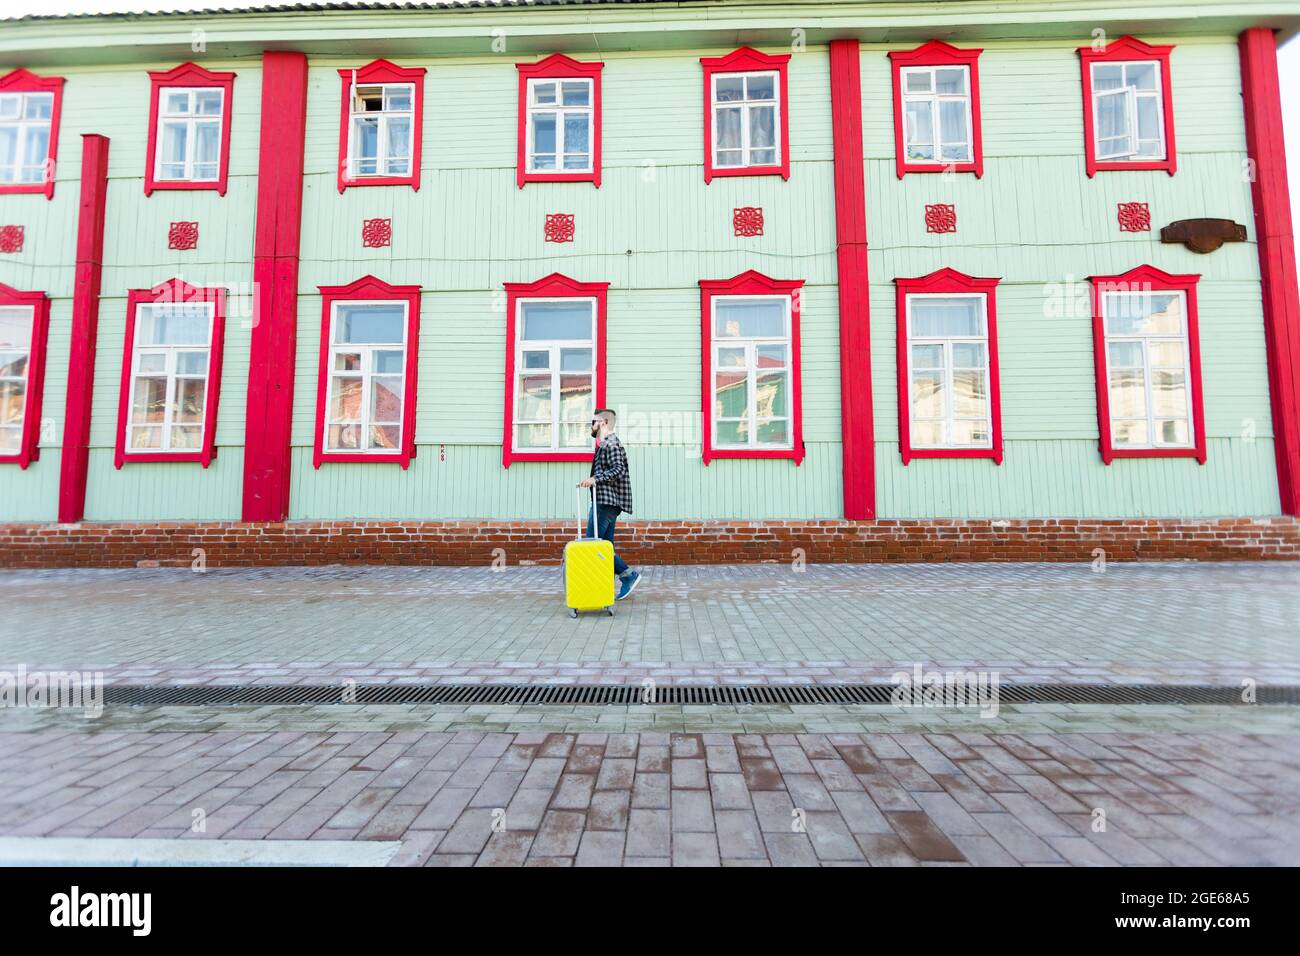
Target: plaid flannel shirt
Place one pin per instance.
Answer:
(613, 479)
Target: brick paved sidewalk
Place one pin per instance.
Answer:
(682, 799)
(1164, 623)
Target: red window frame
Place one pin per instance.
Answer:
(24, 81)
(188, 75)
(750, 283)
(937, 53)
(29, 449)
(383, 71)
(747, 60)
(560, 67)
(369, 288)
(947, 282)
(553, 286)
(1148, 278)
(173, 290)
(1127, 48)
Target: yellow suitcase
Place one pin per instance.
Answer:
(588, 571)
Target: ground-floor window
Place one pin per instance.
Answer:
(1148, 366)
(369, 346)
(750, 327)
(947, 367)
(555, 368)
(171, 373)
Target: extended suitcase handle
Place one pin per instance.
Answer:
(595, 522)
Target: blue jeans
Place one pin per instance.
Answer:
(608, 516)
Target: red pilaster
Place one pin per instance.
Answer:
(275, 287)
(1275, 239)
(858, 432)
(75, 459)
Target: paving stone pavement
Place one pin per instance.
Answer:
(661, 799)
(1042, 718)
(688, 785)
(1164, 623)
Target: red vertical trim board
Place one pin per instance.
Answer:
(75, 459)
(1275, 237)
(269, 417)
(857, 428)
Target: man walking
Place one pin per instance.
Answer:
(613, 483)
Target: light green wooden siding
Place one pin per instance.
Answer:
(1036, 221)
(652, 230)
(114, 101)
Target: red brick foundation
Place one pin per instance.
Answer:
(227, 544)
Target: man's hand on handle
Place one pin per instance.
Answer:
(587, 483)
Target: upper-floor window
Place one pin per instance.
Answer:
(369, 345)
(380, 135)
(24, 321)
(559, 121)
(1149, 381)
(746, 114)
(751, 368)
(937, 115)
(189, 129)
(1128, 107)
(555, 368)
(171, 369)
(948, 374)
(937, 110)
(29, 131)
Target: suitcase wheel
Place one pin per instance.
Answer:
(573, 612)
(609, 611)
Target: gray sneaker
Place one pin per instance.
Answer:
(629, 583)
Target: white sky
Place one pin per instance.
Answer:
(1288, 59)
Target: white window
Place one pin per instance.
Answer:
(189, 134)
(745, 111)
(555, 374)
(1128, 111)
(937, 114)
(1147, 369)
(15, 362)
(169, 377)
(751, 372)
(367, 384)
(948, 371)
(24, 136)
(379, 132)
(559, 125)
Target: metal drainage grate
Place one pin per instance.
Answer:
(616, 694)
